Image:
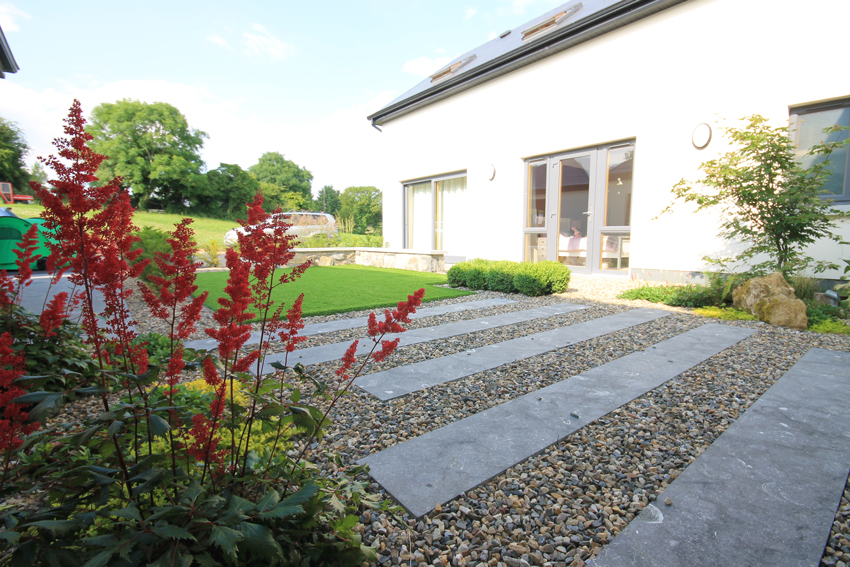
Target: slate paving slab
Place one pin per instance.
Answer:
(436, 467)
(325, 353)
(353, 323)
(766, 491)
(403, 380)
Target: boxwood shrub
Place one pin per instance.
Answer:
(510, 277)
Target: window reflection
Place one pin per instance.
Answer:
(536, 196)
(618, 192)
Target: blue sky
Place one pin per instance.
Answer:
(294, 77)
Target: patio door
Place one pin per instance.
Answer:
(579, 207)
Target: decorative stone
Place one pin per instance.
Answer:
(772, 300)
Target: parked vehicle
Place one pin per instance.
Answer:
(9, 197)
(304, 225)
(12, 229)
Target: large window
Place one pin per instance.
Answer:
(808, 124)
(437, 213)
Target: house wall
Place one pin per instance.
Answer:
(652, 81)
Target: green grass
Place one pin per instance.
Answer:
(725, 313)
(340, 289)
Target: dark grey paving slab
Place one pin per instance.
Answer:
(440, 465)
(406, 379)
(343, 324)
(316, 355)
(766, 491)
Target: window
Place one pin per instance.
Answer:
(437, 213)
(808, 124)
(550, 24)
(447, 72)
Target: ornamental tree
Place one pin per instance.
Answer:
(766, 199)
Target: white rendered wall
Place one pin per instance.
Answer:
(653, 81)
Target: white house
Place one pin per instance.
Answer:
(561, 138)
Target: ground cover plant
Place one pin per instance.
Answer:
(211, 473)
(340, 289)
(511, 277)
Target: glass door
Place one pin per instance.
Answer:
(562, 194)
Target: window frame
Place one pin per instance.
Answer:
(794, 114)
(432, 217)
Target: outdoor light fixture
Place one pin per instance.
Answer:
(701, 136)
(492, 172)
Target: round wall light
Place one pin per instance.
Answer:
(492, 172)
(701, 136)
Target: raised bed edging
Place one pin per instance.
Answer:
(418, 261)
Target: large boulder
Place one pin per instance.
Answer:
(772, 300)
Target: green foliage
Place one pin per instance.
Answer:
(767, 200)
(157, 345)
(693, 295)
(151, 241)
(831, 326)
(152, 147)
(555, 276)
(224, 192)
(209, 254)
(13, 149)
(282, 176)
(476, 273)
(328, 201)
(342, 240)
(805, 287)
(843, 289)
(365, 205)
(510, 277)
(528, 282)
(725, 313)
(500, 276)
(818, 312)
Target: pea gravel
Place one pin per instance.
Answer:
(561, 506)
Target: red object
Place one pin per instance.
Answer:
(9, 197)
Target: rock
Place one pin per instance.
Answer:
(668, 501)
(772, 300)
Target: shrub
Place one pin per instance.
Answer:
(209, 254)
(528, 281)
(818, 312)
(456, 276)
(556, 276)
(500, 276)
(693, 295)
(476, 277)
(150, 241)
(805, 287)
(831, 326)
(727, 314)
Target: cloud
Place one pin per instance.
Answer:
(470, 12)
(493, 35)
(220, 41)
(265, 44)
(8, 13)
(425, 66)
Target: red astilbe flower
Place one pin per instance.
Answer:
(92, 226)
(12, 419)
(233, 313)
(348, 360)
(54, 315)
(25, 253)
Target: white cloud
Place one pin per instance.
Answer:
(265, 44)
(8, 14)
(470, 12)
(220, 41)
(493, 35)
(425, 66)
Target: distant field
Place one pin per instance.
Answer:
(340, 289)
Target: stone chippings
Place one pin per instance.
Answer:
(561, 506)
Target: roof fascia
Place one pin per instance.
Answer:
(615, 17)
(7, 60)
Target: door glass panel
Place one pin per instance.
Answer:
(810, 131)
(618, 193)
(535, 248)
(573, 223)
(419, 216)
(614, 252)
(536, 196)
(452, 216)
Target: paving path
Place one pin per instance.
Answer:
(325, 353)
(353, 323)
(403, 380)
(439, 466)
(766, 491)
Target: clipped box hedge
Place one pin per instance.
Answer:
(510, 277)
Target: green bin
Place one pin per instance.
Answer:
(12, 229)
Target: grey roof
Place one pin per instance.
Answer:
(7, 60)
(585, 20)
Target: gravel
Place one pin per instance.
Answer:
(561, 506)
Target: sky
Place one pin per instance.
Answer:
(258, 76)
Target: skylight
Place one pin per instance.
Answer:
(550, 24)
(446, 72)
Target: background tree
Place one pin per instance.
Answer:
(151, 146)
(365, 205)
(286, 175)
(767, 200)
(275, 196)
(327, 201)
(224, 193)
(13, 148)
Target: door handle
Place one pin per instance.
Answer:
(588, 213)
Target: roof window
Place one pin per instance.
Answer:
(550, 24)
(446, 72)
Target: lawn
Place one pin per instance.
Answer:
(340, 289)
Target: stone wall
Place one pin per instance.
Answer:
(418, 261)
